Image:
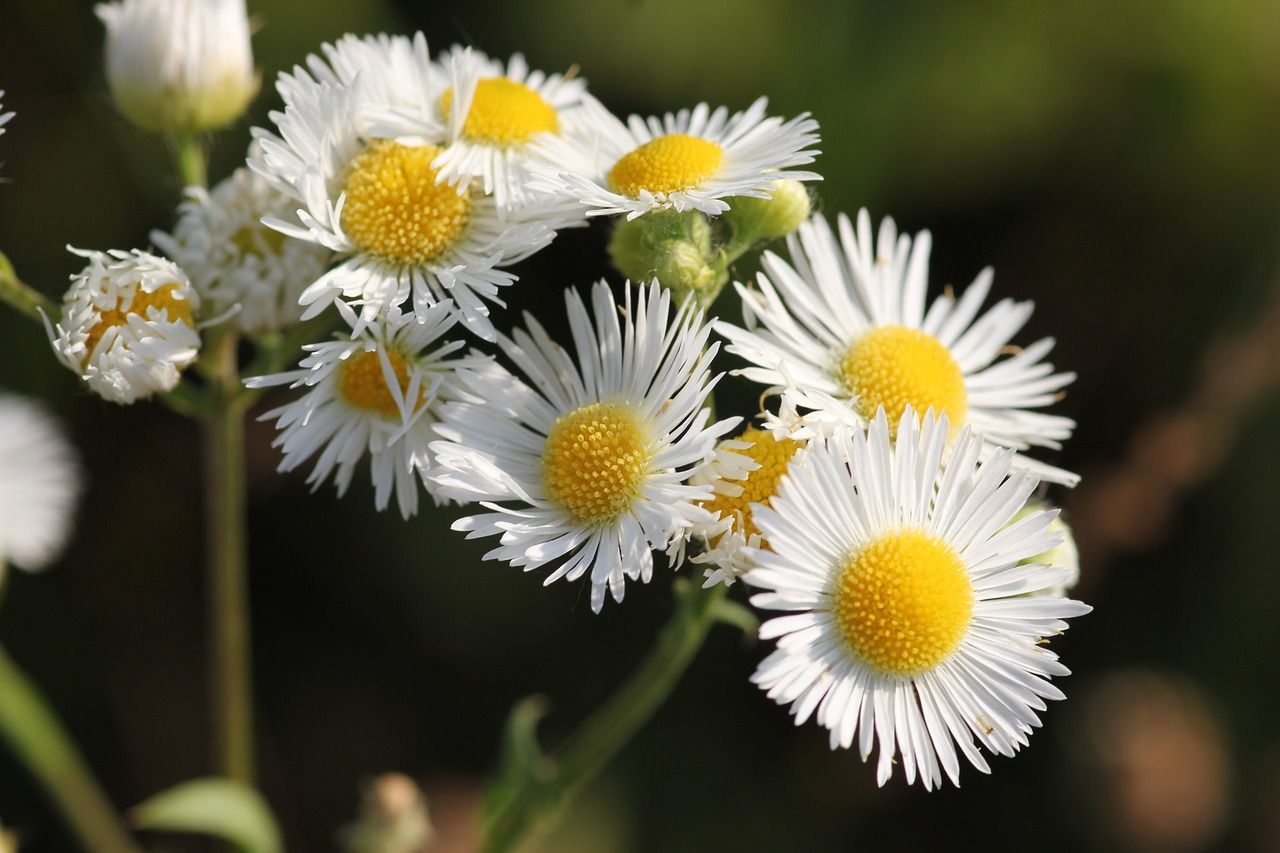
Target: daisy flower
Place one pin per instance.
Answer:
(587, 465)
(4, 117)
(495, 112)
(746, 471)
(128, 326)
(844, 330)
(376, 391)
(237, 263)
(901, 576)
(39, 484)
(690, 160)
(379, 203)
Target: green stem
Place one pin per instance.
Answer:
(35, 736)
(227, 555)
(192, 160)
(546, 788)
(23, 297)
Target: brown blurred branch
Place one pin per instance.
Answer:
(1130, 505)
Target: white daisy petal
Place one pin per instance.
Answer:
(39, 483)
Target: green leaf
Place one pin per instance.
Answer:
(218, 807)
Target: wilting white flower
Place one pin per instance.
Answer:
(237, 263)
(586, 465)
(179, 66)
(128, 325)
(39, 483)
(400, 232)
(690, 160)
(908, 623)
(844, 330)
(377, 392)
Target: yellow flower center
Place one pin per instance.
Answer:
(363, 384)
(504, 112)
(668, 163)
(896, 367)
(163, 298)
(394, 207)
(773, 455)
(903, 602)
(595, 461)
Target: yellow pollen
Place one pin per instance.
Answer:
(896, 367)
(504, 112)
(363, 384)
(162, 299)
(596, 459)
(773, 454)
(394, 207)
(665, 164)
(903, 602)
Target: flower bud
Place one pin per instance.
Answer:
(767, 218)
(1064, 556)
(675, 248)
(393, 818)
(179, 66)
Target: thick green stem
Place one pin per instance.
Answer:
(530, 803)
(228, 612)
(35, 736)
(192, 160)
(22, 297)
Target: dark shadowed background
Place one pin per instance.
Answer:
(1117, 162)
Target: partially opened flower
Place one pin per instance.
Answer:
(179, 66)
(904, 583)
(496, 113)
(39, 483)
(402, 234)
(691, 160)
(128, 325)
(844, 330)
(586, 465)
(235, 262)
(375, 393)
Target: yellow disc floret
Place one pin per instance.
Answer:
(903, 602)
(596, 458)
(163, 298)
(363, 383)
(504, 112)
(394, 207)
(773, 456)
(666, 164)
(896, 367)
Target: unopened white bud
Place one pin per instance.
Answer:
(179, 66)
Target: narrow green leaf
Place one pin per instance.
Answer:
(214, 806)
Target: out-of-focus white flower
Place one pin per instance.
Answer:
(39, 483)
(179, 66)
(4, 117)
(235, 261)
(128, 325)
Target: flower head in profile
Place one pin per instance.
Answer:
(585, 464)
(495, 113)
(359, 156)
(843, 329)
(128, 325)
(690, 160)
(235, 262)
(375, 393)
(179, 66)
(39, 484)
(902, 578)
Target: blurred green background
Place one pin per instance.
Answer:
(1118, 162)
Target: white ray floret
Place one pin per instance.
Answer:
(496, 113)
(4, 116)
(585, 464)
(236, 263)
(39, 484)
(843, 330)
(690, 160)
(907, 628)
(128, 325)
(375, 392)
(400, 233)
